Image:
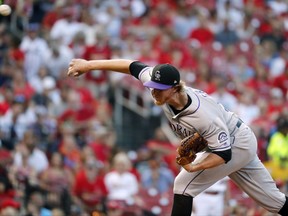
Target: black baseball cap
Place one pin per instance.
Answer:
(163, 76)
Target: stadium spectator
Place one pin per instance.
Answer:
(185, 21)
(278, 64)
(246, 108)
(102, 144)
(122, 185)
(14, 54)
(214, 200)
(277, 103)
(278, 148)
(35, 49)
(241, 71)
(160, 149)
(281, 81)
(89, 191)
(202, 33)
(56, 182)
(27, 149)
(56, 177)
(100, 50)
(59, 54)
(6, 99)
(10, 208)
(260, 82)
(54, 14)
(49, 93)
(78, 44)
(227, 35)
(69, 22)
(20, 86)
(36, 204)
(69, 147)
(223, 96)
(247, 30)
(231, 13)
(157, 176)
(8, 194)
(15, 121)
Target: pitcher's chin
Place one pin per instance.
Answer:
(158, 103)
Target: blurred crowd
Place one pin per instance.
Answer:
(59, 154)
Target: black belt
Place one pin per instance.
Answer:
(239, 123)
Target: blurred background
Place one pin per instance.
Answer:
(97, 145)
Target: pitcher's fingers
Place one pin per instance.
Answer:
(70, 71)
(71, 62)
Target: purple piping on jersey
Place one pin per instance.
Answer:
(174, 117)
(198, 103)
(192, 181)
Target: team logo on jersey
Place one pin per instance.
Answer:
(157, 75)
(222, 137)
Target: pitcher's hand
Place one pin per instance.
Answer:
(77, 67)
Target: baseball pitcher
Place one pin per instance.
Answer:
(204, 125)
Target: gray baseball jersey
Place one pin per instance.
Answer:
(223, 130)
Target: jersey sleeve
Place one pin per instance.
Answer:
(140, 71)
(219, 140)
(217, 135)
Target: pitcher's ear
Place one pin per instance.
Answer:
(177, 88)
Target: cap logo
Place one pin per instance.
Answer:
(157, 75)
